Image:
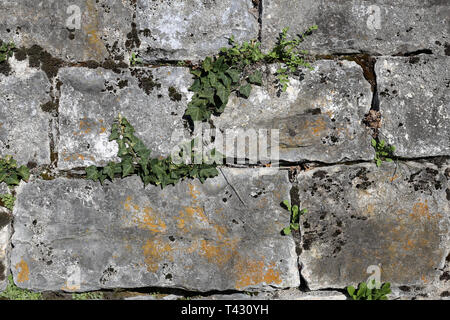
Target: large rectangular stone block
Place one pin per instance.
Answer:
(75, 235)
(382, 27)
(193, 29)
(24, 126)
(74, 30)
(153, 101)
(414, 100)
(395, 217)
(319, 117)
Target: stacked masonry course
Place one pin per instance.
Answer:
(62, 89)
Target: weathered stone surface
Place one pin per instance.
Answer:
(361, 215)
(101, 33)
(5, 234)
(319, 118)
(23, 125)
(192, 30)
(384, 27)
(415, 104)
(92, 99)
(295, 294)
(191, 236)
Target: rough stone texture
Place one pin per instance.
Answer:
(350, 26)
(361, 215)
(191, 236)
(192, 30)
(92, 98)
(319, 118)
(102, 34)
(289, 294)
(414, 99)
(23, 125)
(5, 234)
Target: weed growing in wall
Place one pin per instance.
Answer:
(365, 293)
(13, 292)
(6, 51)
(11, 173)
(136, 159)
(235, 70)
(383, 152)
(295, 217)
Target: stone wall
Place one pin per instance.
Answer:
(381, 68)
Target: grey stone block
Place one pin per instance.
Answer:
(92, 98)
(414, 100)
(192, 30)
(75, 235)
(395, 217)
(319, 117)
(101, 33)
(24, 126)
(384, 27)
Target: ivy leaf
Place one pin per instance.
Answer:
(12, 180)
(207, 64)
(222, 93)
(234, 74)
(196, 86)
(127, 168)
(197, 72)
(287, 231)
(195, 113)
(92, 173)
(245, 90)
(256, 78)
(110, 170)
(24, 172)
(287, 204)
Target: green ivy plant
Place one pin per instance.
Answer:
(364, 293)
(7, 201)
(295, 217)
(10, 173)
(135, 159)
(134, 60)
(235, 70)
(383, 151)
(13, 292)
(6, 51)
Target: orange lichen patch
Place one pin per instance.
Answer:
(76, 156)
(145, 218)
(24, 273)
(87, 126)
(252, 273)
(218, 253)
(421, 210)
(192, 192)
(317, 126)
(91, 29)
(409, 245)
(156, 251)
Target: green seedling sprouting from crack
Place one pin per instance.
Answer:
(6, 51)
(134, 60)
(11, 173)
(365, 293)
(295, 217)
(383, 152)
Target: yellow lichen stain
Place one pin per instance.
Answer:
(252, 273)
(155, 251)
(218, 253)
(144, 218)
(91, 30)
(24, 273)
(316, 126)
(86, 126)
(421, 210)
